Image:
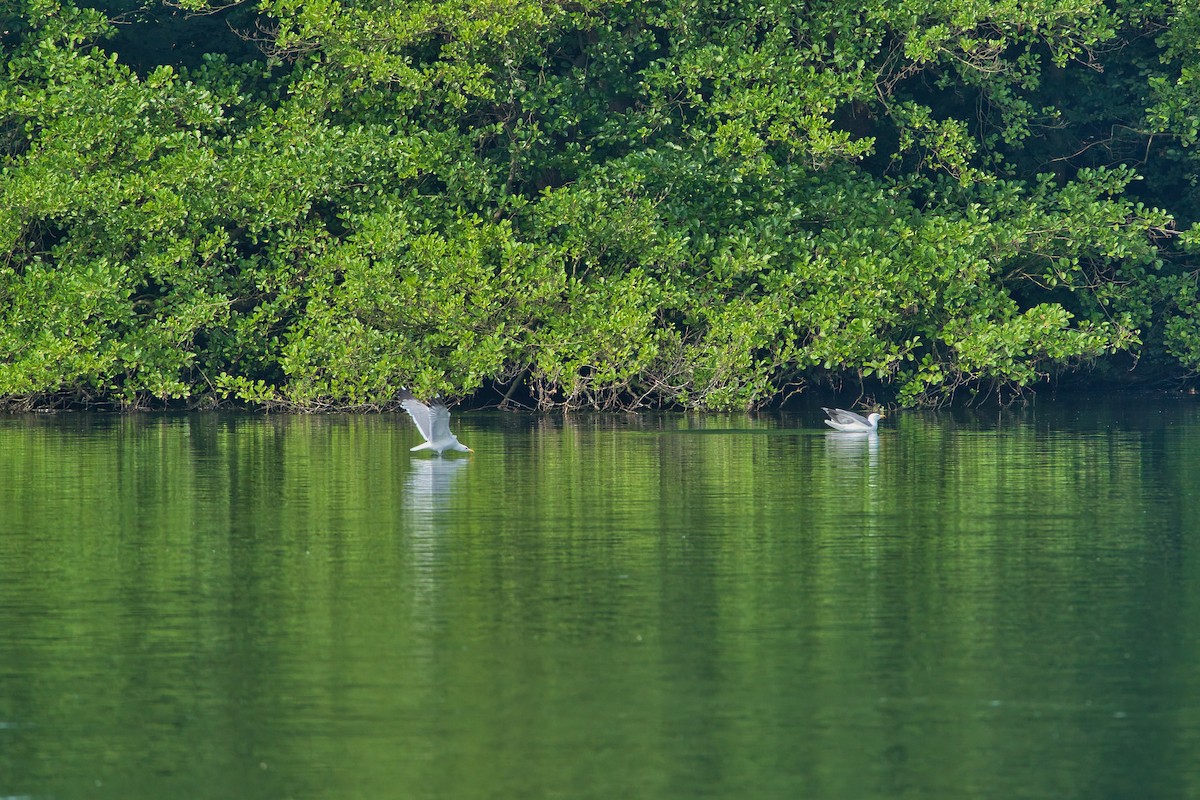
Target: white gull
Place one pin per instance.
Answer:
(849, 422)
(433, 421)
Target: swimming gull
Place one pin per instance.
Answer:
(434, 424)
(849, 422)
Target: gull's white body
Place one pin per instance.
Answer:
(434, 424)
(849, 422)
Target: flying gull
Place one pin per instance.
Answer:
(434, 424)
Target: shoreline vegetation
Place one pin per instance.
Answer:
(308, 205)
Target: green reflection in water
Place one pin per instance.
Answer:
(657, 606)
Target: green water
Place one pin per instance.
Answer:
(974, 605)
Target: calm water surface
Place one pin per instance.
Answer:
(977, 605)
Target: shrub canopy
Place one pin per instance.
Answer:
(313, 203)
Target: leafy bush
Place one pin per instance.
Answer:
(601, 204)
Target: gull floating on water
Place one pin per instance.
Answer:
(849, 422)
(434, 424)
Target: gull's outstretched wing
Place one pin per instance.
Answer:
(420, 414)
(439, 418)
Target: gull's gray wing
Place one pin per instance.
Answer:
(420, 414)
(439, 417)
(845, 417)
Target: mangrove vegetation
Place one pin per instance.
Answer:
(701, 204)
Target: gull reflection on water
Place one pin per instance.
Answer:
(428, 493)
(429, 484)
(853, 448)
(855, 451)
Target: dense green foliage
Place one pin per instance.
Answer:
(601, 203)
